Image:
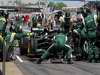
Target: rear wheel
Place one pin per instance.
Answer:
(24, 46)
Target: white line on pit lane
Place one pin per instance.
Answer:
(19, 59)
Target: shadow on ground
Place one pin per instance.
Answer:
(1, 73)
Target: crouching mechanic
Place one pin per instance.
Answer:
(59, 44)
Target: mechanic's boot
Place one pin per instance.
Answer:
(91, 60)
(39, 61)
(97, 60)
(78, 58)
(69, 61)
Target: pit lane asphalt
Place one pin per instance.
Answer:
(78, 68)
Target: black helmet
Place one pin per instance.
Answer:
(88, 10)
(60, 13)
(67, 14)
(98, 7)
